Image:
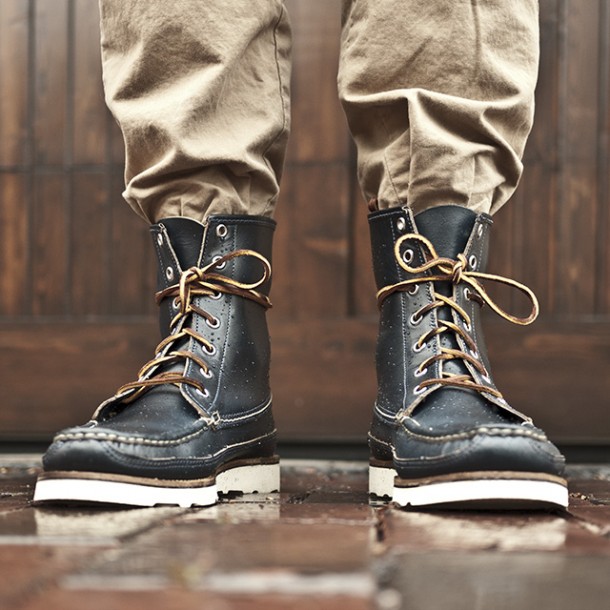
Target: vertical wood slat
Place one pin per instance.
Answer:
(533, 230)
(90, 129)
(14, 245)
(132, 264)
(362, 281)
(603, 235)
(310, 253)
(14, 151)
(313, 272)
(318, 127)
(14, 37)
(575, 284)
(89, 218)
(49, 246)
(50, 124)
(51, 76)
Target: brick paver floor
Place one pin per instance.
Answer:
(318, 544)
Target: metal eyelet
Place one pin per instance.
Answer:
(418, 389)
(407, 255)
(160, 239)
(216, 296)
(222, 266)
(221, 231)
(417, 348)
(467, 293)
(169, 273)
(415, 321)
(472, 261)
(206, 374)
(176, 303)
(205, 394)
(213, 324)
(401, 225)
(420, 373)
(413, 291)
(467, 326)
(209, 349)
(486, 379)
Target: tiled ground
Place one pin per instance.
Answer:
(318, 544)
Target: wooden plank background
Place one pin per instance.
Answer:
(77, 316)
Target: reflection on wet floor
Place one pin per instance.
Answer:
(318, 544)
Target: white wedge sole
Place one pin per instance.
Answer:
(132, 491)
(495, 489)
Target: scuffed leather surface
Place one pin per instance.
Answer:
(177, 433)
(446, 430)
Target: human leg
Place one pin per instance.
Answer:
(201, 93)
(197, 421)
(439, 98)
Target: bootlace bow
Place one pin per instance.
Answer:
(194, 282)
(440, 269)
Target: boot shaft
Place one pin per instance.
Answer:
(453, 231)
(181, 243)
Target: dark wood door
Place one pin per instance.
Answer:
(77, 278)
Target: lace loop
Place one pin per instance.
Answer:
(455, 271)
(440, 269)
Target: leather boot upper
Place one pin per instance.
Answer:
(438, 408)
(204, 398)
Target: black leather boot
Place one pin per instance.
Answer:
(442, 434)
(198, 420)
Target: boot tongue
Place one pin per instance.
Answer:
(452, 410)
(448, 227)
(186, 236)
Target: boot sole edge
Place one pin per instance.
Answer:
(502, 492)
(252, 478)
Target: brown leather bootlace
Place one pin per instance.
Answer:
(457, 272)
(194, 282)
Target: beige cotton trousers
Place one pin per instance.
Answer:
(438, 96)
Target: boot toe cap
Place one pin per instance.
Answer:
(510, 447)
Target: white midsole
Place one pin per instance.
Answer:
(381, 483)
(261, 478)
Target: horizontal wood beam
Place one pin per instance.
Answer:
(53, 375)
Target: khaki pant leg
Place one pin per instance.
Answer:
(200, 89)
(439, 96)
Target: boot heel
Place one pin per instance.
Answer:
(252, 478)
(381, 481)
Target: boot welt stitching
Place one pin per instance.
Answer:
(502, 432)
(139, 440)
(174, 459)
